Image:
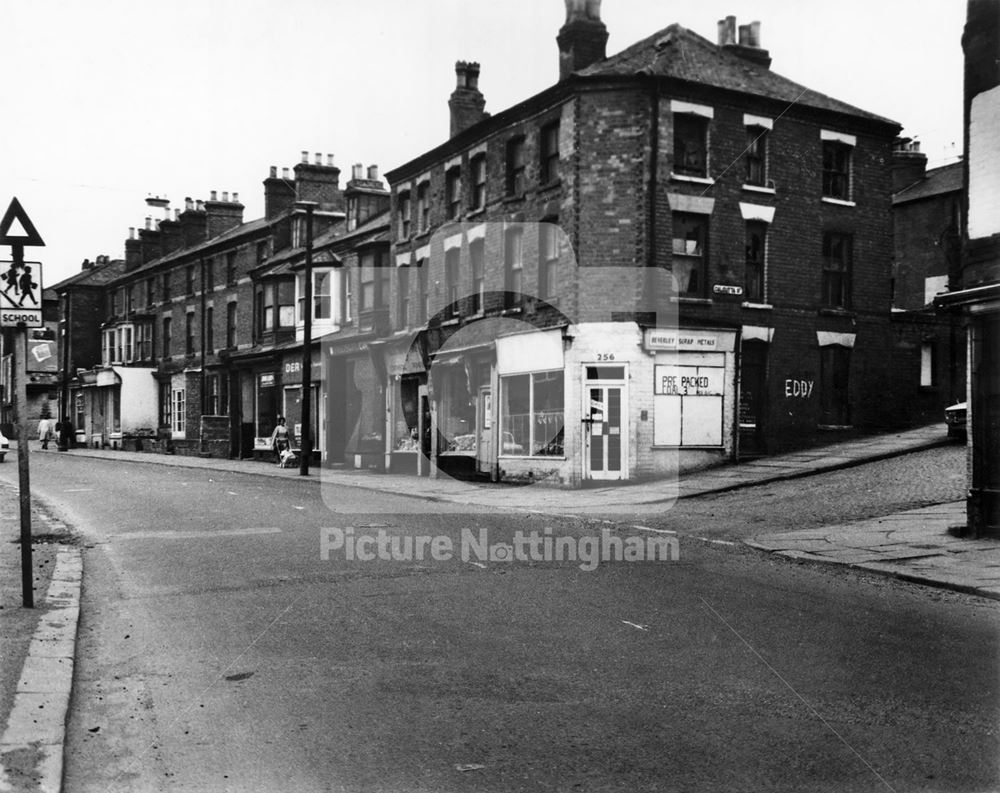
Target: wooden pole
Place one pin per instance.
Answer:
(19, 349)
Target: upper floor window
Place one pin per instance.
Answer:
(166, 336)
(756, 251)
(210, 329)
(478, 193)
(453, 187)
(402, 296)
(548, 151)
(261, 255)
(189, 342)
(837, 151)
(166, 285)
(515, 166)
(150, 292)
(548, 260)
(189, 279)
(404, 209)
(513, 266)
(374, 282)
(690, 145)
(837, 262)
(756, 156)
(323, 294)
(278, 305)
(129, 299)
(690, 253)
(477, 258)
(231, 324)
(424, 291)
(424, 207)
(452, 256)
(209, 274)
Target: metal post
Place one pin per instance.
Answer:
(18, 369)
(305, 442)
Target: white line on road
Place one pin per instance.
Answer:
(206, 534)
(635, 625)
(647, 528)
(80, 490)
(294, 507)
(478, 564)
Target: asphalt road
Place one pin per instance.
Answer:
(218, 651)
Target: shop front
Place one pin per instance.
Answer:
(290, 401)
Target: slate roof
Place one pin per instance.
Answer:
(682, 54)
(98, 276)
(937, 181)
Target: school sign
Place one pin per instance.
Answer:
(20, 281)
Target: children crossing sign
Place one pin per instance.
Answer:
(20, 281)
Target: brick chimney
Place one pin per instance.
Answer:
(748, 46)
(583, 38)
(466, 102)
(133, 251)
(366, 197)
(223, 215)
(149, 242)
(319, 182)
(909, 164)
(279, 193)
(171, 234)
(193, 222)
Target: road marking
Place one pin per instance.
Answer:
(658, 531)
(715, 542)
(635, 625)
(80, 490)
(206, 534)
(478, 564)
(294, 507)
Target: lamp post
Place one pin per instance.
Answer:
(305, 442)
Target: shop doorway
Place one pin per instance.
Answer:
(484, 431)
(605, 423)
(753, 393)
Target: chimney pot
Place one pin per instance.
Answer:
(188, 204)
(225, 196)
(212, 196)
(373, 173)
(274, 172)
(284, 173)
(356, 170)
(319, 158)
(199, 205)
(131, 232)
(177, 214)
(236, 198)
(329, 160)
(755, 34)
(149, 223)
(583, 38)
(305, 157)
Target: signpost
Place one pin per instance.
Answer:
(21, 308)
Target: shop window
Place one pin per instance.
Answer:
(548, 261)
(837, 262)
(166, 406)
(532, 414)
(836, 170)
(548, 152)
(477, 197)
(212, 400)
(477, 260)
(515, 176)
(756, 253)
(690, 145)
(231, 324)
(179, 418)
(835, 363)
(513, 267)
(456, 411)
(453, 190)
(690, 254)
(406, 412)
(756, 156)
(404, 209)
(80, 406)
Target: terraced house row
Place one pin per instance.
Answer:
(671, 257)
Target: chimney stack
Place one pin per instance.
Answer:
(466, 103)
(748, 46)
(193, 222)
(365, 197)
(583, 38)
(279, 194)
(221, 216)
(317, 182)
(909, 164)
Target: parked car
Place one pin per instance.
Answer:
(4, 446)
(956, 417)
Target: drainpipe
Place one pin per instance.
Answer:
(204, 340)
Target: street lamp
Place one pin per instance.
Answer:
(305, 442)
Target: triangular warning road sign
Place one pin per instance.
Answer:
(16, 227)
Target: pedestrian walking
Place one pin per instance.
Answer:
(45, 431)
(281, 439)
(66, 433)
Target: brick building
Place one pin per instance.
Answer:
(671, 257)
(977, 300)
(929, 346)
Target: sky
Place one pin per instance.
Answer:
(106, 102)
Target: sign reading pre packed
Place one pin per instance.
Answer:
(689, 380)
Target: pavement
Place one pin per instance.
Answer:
(915, 546)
